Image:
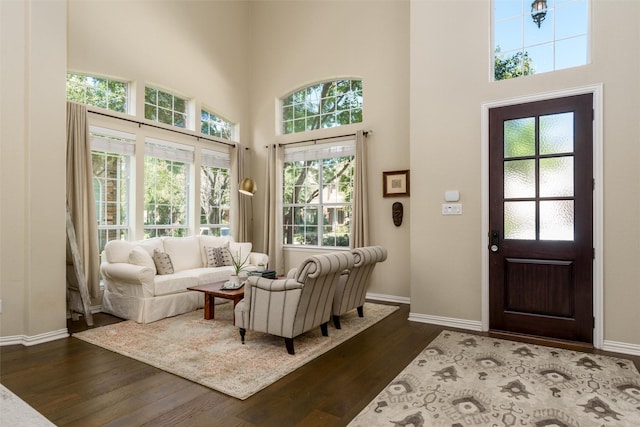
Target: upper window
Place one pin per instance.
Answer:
(165, 107)
(317, 191)
(214, 125)
(538, 37)
(322, 105)
(98, 91)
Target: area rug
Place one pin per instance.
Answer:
(209, 352)
(15, 412)
(467, 380)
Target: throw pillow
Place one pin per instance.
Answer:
(226, 256)
(139, 256)
(214, 256)
(163, 262)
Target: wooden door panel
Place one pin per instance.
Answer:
(541, 282)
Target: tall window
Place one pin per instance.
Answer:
(318, 190)
(554, 36)
(322, 105)
(98, 91)
(214, 125)
(166, 188)
(165, 107)
(215, 193)
(111, 153)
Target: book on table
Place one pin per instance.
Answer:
(267, 274)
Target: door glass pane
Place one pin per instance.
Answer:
(520, 220)
(556, 133)
(556, 177)
(519, 179)
(556, 220)
(520, 137)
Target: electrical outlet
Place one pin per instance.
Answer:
(452, 209)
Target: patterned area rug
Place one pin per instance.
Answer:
(209, 352)
(464, 380)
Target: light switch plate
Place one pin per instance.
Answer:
(452, 209)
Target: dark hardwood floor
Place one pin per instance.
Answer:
(74, 383)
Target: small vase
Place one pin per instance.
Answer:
(234, 278)
(243, 275)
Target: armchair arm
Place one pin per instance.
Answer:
(122, 274)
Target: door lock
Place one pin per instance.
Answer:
(495, 240)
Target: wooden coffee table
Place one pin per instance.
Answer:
(213, 290)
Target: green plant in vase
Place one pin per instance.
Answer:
(239, 265)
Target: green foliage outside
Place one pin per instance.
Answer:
(98, 92)
(215, 199)
(516, 65)
(165, 198)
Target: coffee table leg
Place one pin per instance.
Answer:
(209, 306)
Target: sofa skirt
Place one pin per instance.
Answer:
(147, 310)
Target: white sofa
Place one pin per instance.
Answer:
(134, 290)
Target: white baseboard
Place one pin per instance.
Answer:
(35, 339)
(471, 325)
(388, 298)
(621, 347)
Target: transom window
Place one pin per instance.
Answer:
(164, 107)
(322, 105)
(98, 91)
(214, 125)
(318, 192)
(527, 40)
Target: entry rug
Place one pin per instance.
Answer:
(209, 352)
(463, 380)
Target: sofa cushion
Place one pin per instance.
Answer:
(214, 242)
(117, 250)
(175, 283)
(215, 256)
(163, 262)
(184, 252)
(149, 245)
(139, 256)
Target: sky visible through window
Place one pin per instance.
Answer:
(560, 42)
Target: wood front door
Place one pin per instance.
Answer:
(541, 218)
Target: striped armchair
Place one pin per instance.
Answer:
(289, 307)
(351, 289)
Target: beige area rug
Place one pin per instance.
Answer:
(209, 352)
(15, 412)
(463, 380)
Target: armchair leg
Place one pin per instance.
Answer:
(361, 311)
(336, 321)
(289, 343)
(242, 332)
(323, 328)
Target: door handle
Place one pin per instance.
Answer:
(495, 241)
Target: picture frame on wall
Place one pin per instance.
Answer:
(395, 183)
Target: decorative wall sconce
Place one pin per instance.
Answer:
(538, 11)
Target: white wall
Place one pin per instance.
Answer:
(449, 82)
(32, 169)
(298, 43)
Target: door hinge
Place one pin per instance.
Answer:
(594, 184)
(593, 324)
(594, 252)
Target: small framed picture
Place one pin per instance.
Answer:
(395, 184)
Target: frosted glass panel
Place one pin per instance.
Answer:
(556, 220)
(556, 177)
(556, 133)
(520, 137)
(519, 179)
(520, 220)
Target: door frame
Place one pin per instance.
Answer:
(598, 262)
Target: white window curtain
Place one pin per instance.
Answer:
(273, 208)
(360, 203)
(80, 199)
(215, 159)
(124, 144)
(320, 151)
(166, 150)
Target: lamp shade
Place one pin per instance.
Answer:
(248, 186)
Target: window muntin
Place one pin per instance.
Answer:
(322, 105)
(521, 48)
(167, 170)
(214, 125)
(111, 161)
(164, 107)
(215, 193)
(318, 192)
(100, 92)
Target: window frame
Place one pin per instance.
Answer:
(107, 80)
(210, 121)
(186, 112)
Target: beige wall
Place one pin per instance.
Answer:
(299, 43)
(32, 168)
(449, 82)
